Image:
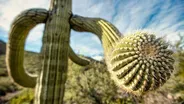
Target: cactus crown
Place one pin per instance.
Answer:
(140, 63)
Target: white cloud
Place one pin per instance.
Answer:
(98, 57)
(86, 50)
(160, 16)
(86, 43)
(12, 8)
(96, 39)
(94, 8)
(34, 39)
(36, 33)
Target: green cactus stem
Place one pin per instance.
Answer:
(15, 47)
(52, 77)
(106, 32)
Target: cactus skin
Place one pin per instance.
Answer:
(55, 51)
(20, 28)
(141, 63)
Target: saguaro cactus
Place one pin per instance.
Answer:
(137, 63)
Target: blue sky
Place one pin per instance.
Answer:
(163, 17)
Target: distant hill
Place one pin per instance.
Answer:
(2, 47)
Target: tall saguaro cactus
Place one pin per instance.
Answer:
(137, 63)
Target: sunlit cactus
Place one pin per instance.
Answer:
(140, 63)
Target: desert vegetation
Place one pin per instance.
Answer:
(91, 84)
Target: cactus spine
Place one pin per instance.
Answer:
(140, 63)
(137, 63)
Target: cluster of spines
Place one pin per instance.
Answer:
(140, 63)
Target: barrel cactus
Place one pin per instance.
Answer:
(137, 63)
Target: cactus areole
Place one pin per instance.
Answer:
(138, 63)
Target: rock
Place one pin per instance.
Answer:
(169, 96)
